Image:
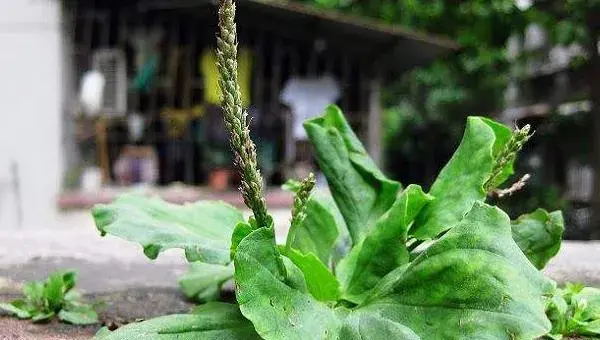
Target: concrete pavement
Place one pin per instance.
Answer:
(109, 264)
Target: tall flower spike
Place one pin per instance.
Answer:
(508, 155)
(236, 118)
(301, 197)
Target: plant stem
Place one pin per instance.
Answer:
(236, 118)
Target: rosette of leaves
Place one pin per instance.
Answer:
(574, 312)
(440, 264)
(44, 300)
(477, 279)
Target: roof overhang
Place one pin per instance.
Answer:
(390, 49)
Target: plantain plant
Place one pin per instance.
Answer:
(574, 312)
(372, 260)
(53, 297)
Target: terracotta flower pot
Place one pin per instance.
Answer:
(218, 179)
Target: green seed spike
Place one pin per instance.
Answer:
(508, 155)
(301, 198)
(236, 118)
(299, 209)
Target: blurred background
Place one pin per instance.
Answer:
(98, 97)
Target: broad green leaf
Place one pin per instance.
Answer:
(277, 310)
(358, 187)
(213, 321)
(557, 311)
(460, 183)
(212, 293)
(556, 305)
(539, 235)
(386, 284)
(17, 307)
(69, 279)
(574, 311)
(73, 297)
(203, 281)
(42, 316)
(571, 289)
(383, 249)
(294, 277)
(320, 281)
(591, 328)
(202, 229)
(83, 315)
(319, 230)
(74, 301)
(473, 283)
(54, 291)
(34, 293)
(241, 230)
(359, 326)
(592, 298)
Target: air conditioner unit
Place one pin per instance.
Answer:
(112, 64)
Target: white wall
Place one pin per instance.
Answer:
(30, 109)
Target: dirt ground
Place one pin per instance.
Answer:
(14, 329)
(117, 308)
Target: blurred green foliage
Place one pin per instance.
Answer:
(469, 82)
(425, 108)
(472, 81)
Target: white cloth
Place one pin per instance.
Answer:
(135, 125)
(91, 93)
(308, 97)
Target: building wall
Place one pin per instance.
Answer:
(30, 111)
